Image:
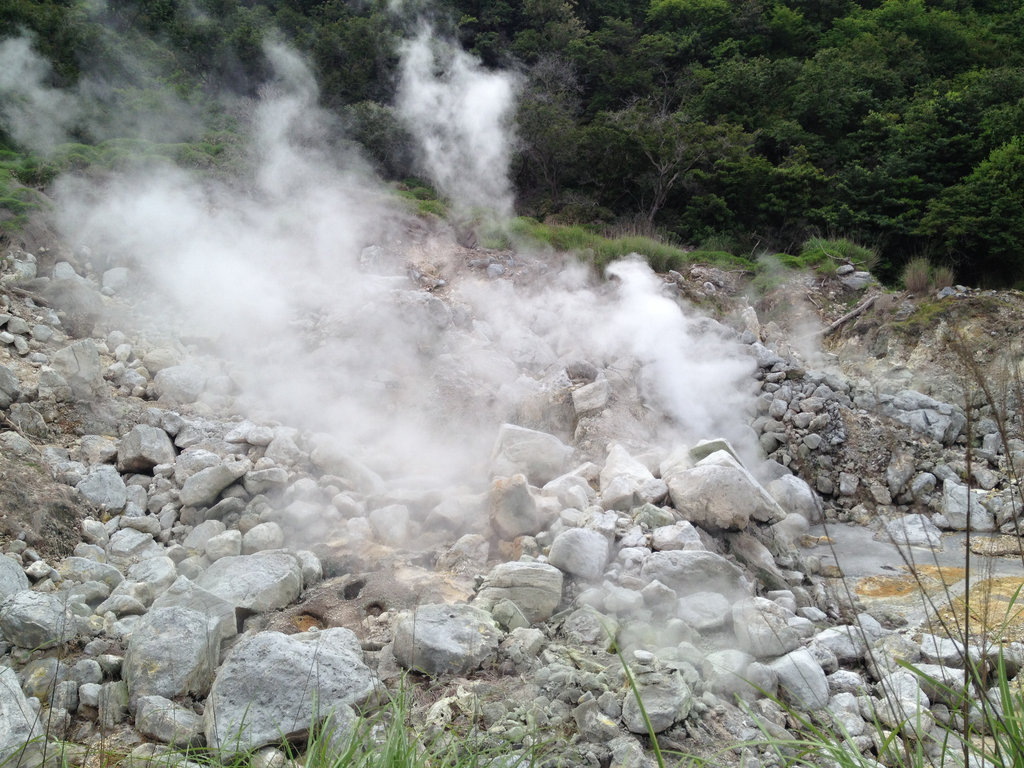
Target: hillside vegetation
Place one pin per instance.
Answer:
(743, 125)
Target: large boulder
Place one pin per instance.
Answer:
(581, 552)
(538, 455)
(259, 582)
(721, 495)
(143, 448)
(19, 723)
(535, 588)
(689, 571)
(172, 652)
(273, 687)
(446, 639)
(12, 577)
(36, 620)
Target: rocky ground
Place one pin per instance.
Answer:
(181, 571)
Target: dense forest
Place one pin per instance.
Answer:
(741, 125)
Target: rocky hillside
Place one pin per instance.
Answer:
(182, 570)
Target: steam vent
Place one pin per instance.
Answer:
(291, 473)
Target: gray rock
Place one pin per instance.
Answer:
(259, 582)
(802, 681)
(219, 613)
(513, 510)
(689, 571)
(112, 703)
(961, 506)
(580, 552)
(272, 687)
(721, 496)
(97, 449)
(536, 588)
(848, 642)
(36, 620)
(10, 387)
(794, 495)
(666, 698)
(199, 536)
(143, 448)
(159, 358)
(12, 577)
(19, 724)
(84, 569)
(79, 365)
(262, 537)
(172, 652)
(762, 627)
(679, 535)
(446, 639)
(226, 544)
(705, 611)
(179, 384)
(127, 544)
(591, 398)
(161, 719)
(104, 489)
(731, 673)
(537, 455)
(203, 488)
(914, 530)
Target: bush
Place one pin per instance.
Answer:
(942, 277)
(825, 255)
(917, 275)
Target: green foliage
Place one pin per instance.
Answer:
(917, 275)
(825, 255)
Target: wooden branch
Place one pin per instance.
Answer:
(849, 316)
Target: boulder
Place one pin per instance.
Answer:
(721, 496)
(143, 448)
(446, 639)
(12, 577)
(513, 510)
(172, 652)
(104, 489)
(539, 456)
(535, 588)
(802, 681)
(666, 700)
(689, 571)
(180, 384)
(36, 620)
(581, 552)
(79, 365)
(10, 387)
(762, 629)
(273, 687)
(259, 582)
(161, 719)
(19, 723)
(203, 488)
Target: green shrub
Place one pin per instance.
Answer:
(917, 275)
(942, 277)
(826, 255)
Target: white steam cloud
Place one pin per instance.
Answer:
(298, 274)
(461, 117)
(34, 114)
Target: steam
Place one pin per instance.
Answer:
(461, 117)
(36, 115)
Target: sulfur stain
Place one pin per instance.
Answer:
(994, 609)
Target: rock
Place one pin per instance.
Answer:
(690, 571)
(591, 398)
(626, 483)
(679, 535)
(262, 537)
(36, 620)
(143, 448)
(666, 700)
(960, 504)
(914, 530)
(802, 682)
(762, 627)
(536, 588)
(179, 384)
(226, 544)
(445, 639)
(259, 582)
(273, 687)
(848, 642)
(128, 544)
(513, 510)
(705, 611)
(112, 704)
(104, 489)
(84, 569)
(794, 495)
(79, 365)
(537, 455)
(172, 652)
(219, 613)
(721, 496)
(12, 577)
(161, 719)
(19, 723)
(203, 488)
(580, 552)
(731, 673)
(10, 387)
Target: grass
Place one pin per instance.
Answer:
(600, 250)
